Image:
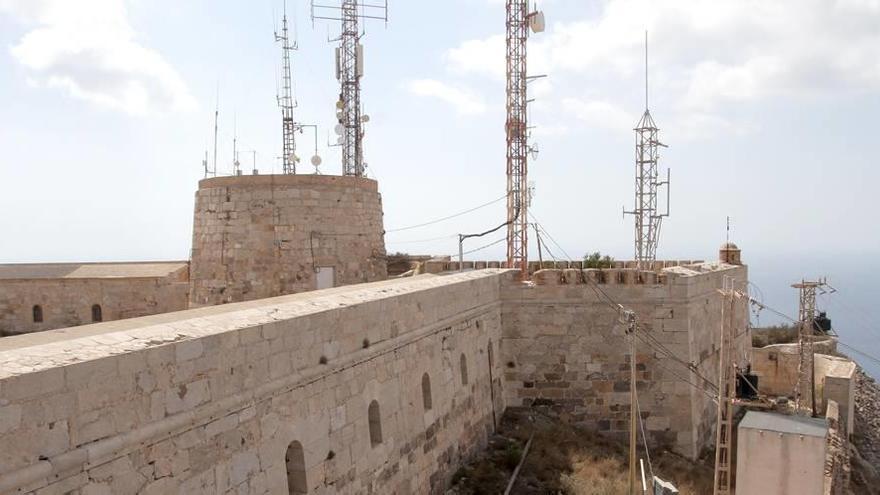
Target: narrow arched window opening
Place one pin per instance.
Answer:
(38, 313)
(97, 314)
(426, 392)
(375, 423)
(296, 469)
(464, 373)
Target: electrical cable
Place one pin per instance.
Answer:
(614, 305)
(550, 236)
(432, 222)
(546, 247)
(840, 342)
(503, 239)
(416, 241)
(688, 366)
(644, 437)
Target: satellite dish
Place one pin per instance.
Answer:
(316, 160)
(339, 115)
(537, 23)
(339, 129)
(365, 118)
(339, 140)
(340, 104)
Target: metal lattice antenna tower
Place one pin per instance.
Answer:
(349, 71)
(519, 19)
(806, 317)
(646, 211)
(286, 100)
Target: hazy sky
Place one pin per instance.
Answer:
(769, 110)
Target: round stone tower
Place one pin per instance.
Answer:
(730, 254)
(257, 236)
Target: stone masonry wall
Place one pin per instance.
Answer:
(268, 235)
(565, 348)
(252, 398)
(68, 302)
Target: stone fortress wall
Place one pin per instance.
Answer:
(278, 394)
(269, 235)
(36, 297)
(565, 346)
(377, 388)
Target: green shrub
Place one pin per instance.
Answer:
(596, 260)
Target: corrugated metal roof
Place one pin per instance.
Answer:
(146, 269)
(782, 423)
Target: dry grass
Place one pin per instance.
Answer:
(568, 460)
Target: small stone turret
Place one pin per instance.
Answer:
(730, 254)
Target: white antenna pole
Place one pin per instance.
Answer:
(236, 166)
(646, 69)
(216, 118)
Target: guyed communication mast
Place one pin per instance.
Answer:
(287, 102)
(807, 290)
(648, 216)
(349, 71)
(520, 18)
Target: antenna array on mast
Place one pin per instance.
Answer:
(285, 99)
(212, 171)
(519, 20)
(287, 102)
(349, 70)
(646, 211)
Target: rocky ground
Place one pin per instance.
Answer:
(564, 459)
(865, 458)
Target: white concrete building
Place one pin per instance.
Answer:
(780, 455)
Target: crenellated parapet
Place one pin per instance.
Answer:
(440, 266)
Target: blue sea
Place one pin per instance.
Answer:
(851, 307)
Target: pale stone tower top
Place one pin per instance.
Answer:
(730, 254)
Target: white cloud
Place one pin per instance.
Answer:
(551, 130)
(484, 57)
(704, 54)
(599, 113)
(465, 101)
(88, 48)
(697, 125)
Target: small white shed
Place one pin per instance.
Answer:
(780, 454)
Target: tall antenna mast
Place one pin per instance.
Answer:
(236, 165)
(285, 99)
(727, 239)
(350, 66)
(216, 118)
(646, 211)
(519, 20)
(349, 71)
